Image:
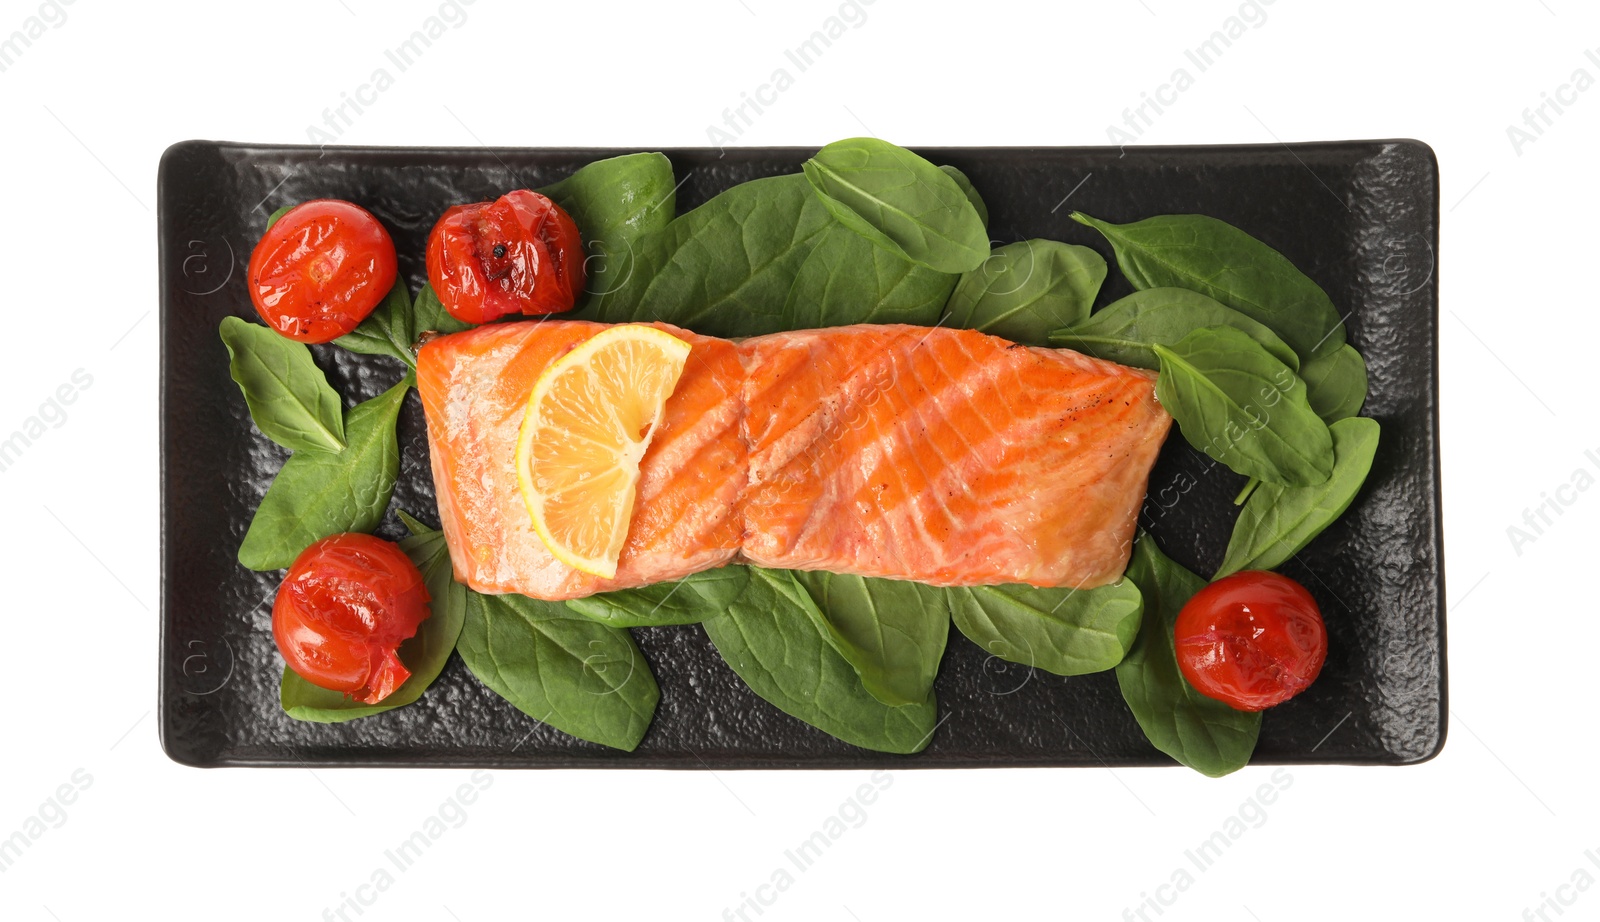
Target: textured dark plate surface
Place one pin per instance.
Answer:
(1359, 217)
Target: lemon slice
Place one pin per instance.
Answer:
(590, 418)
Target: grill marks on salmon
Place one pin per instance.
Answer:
(945, 456)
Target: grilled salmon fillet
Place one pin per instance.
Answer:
(945, 456)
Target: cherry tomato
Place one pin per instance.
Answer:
(320, 269)
(517, 254)
(1251, 640)
(342, 611)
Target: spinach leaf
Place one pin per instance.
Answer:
(846, 280)
(387, 330)
(1126, 329)
(580, 677)
(1200, 732)
(771, 641)
(429, 316)
(288, 395)
(686, 601)
(424, 654)
(1064, 631)
(1278, 521)
(741, 265)
(613, 202)
(1026, 289)
(618, 198)
(1225, 263)
(412, 525)
(969, 191)
(892, 632)
(394, 327)
(321, 493)
(273, 218)
(900, 202)
(1336, 384)
(725, 268)
(1241, 406)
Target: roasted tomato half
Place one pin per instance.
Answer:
(1251, 640)
(519, 254)
(343, 609)
(320, 269)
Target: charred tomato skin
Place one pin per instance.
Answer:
(519, 254)
(345, 606)
(1251, 640)
(320, 269)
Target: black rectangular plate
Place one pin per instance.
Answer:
(1359, 217)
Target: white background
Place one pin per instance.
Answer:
(1500, 819)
